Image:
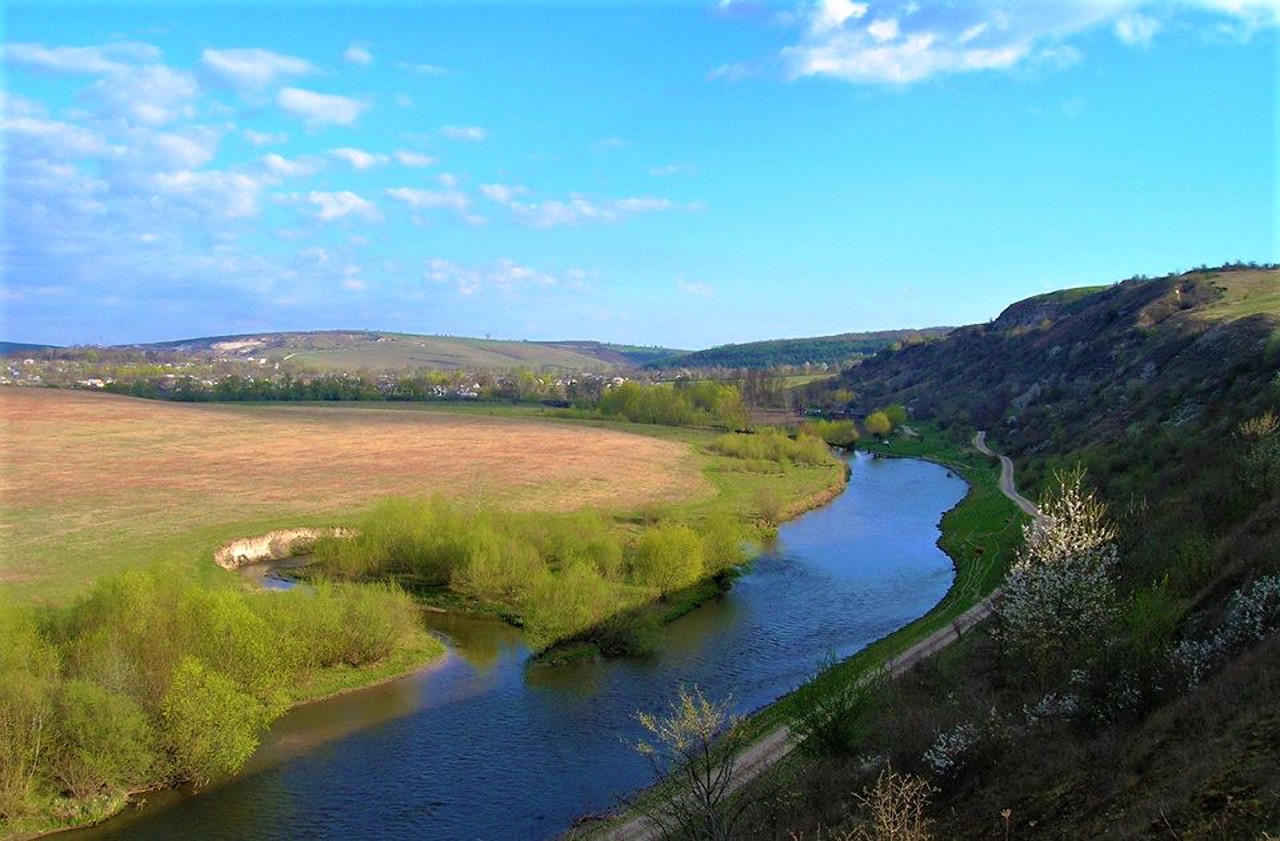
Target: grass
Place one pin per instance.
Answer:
(408, 657)
(94, 483)
(400, 352)
(1245, 293)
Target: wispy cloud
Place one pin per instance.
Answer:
(287, 168)
(409, 158)
(694, 289)
(339, 205)
(425, 69)
(357, 53)
(319, 109)
(253, 67)
(358, 158)
(899, 44)
(505, 275)
(265, 138)
(577, 209)
(98, 60)
(464, 133)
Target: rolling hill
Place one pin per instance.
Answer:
(337, 350)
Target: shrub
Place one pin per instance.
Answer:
(668, 558)
(210, 726)
(831, 711)
(103, 741)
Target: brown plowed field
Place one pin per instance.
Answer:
(91, 483)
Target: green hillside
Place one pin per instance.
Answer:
(1162, 720)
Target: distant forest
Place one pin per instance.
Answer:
(822, 350)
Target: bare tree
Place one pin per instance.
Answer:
(895, 808)
(693, 749)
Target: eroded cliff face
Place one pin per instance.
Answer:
(282, 543)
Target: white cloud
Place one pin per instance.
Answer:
(425, 69)
(694, 289)
(286, 168)
(418, 160)
(431, 199)
(152, 94)
(505, 275)
(330, 206)
(264, 138)
(357, 54)
(104, 59)
(190, 148)
(229, 194)
(358, 158)
(467, 133)
(1137, 29)
(51, 138)
(319, 109)
(253, 67)
(502, 193)
(578, 209)
(878, 43)
(832, 14)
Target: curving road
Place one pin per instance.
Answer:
(778, 742)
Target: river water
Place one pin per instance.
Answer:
(489, 746)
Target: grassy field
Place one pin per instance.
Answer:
(94, 483)
(1245, 293)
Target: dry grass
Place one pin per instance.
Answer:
(1245, 293)
(90, 483)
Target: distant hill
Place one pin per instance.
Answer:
(7, 348)
(352, 350)
(820, 350)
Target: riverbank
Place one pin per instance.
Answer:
(980, 534)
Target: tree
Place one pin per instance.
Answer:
(878, 424)
(1060, 593)
(210, 726)
(694, 749)
(668, 557)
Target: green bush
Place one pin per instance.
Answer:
(668, 558)
(102, 743)
(210, 727)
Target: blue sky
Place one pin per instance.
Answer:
(677, 173)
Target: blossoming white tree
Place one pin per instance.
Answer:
(1060, 593)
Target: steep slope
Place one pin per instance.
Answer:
(1168, 392)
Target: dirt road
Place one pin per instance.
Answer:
(775, 745)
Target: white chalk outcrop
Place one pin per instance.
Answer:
(272, 546)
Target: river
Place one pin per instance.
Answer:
(487, 745)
